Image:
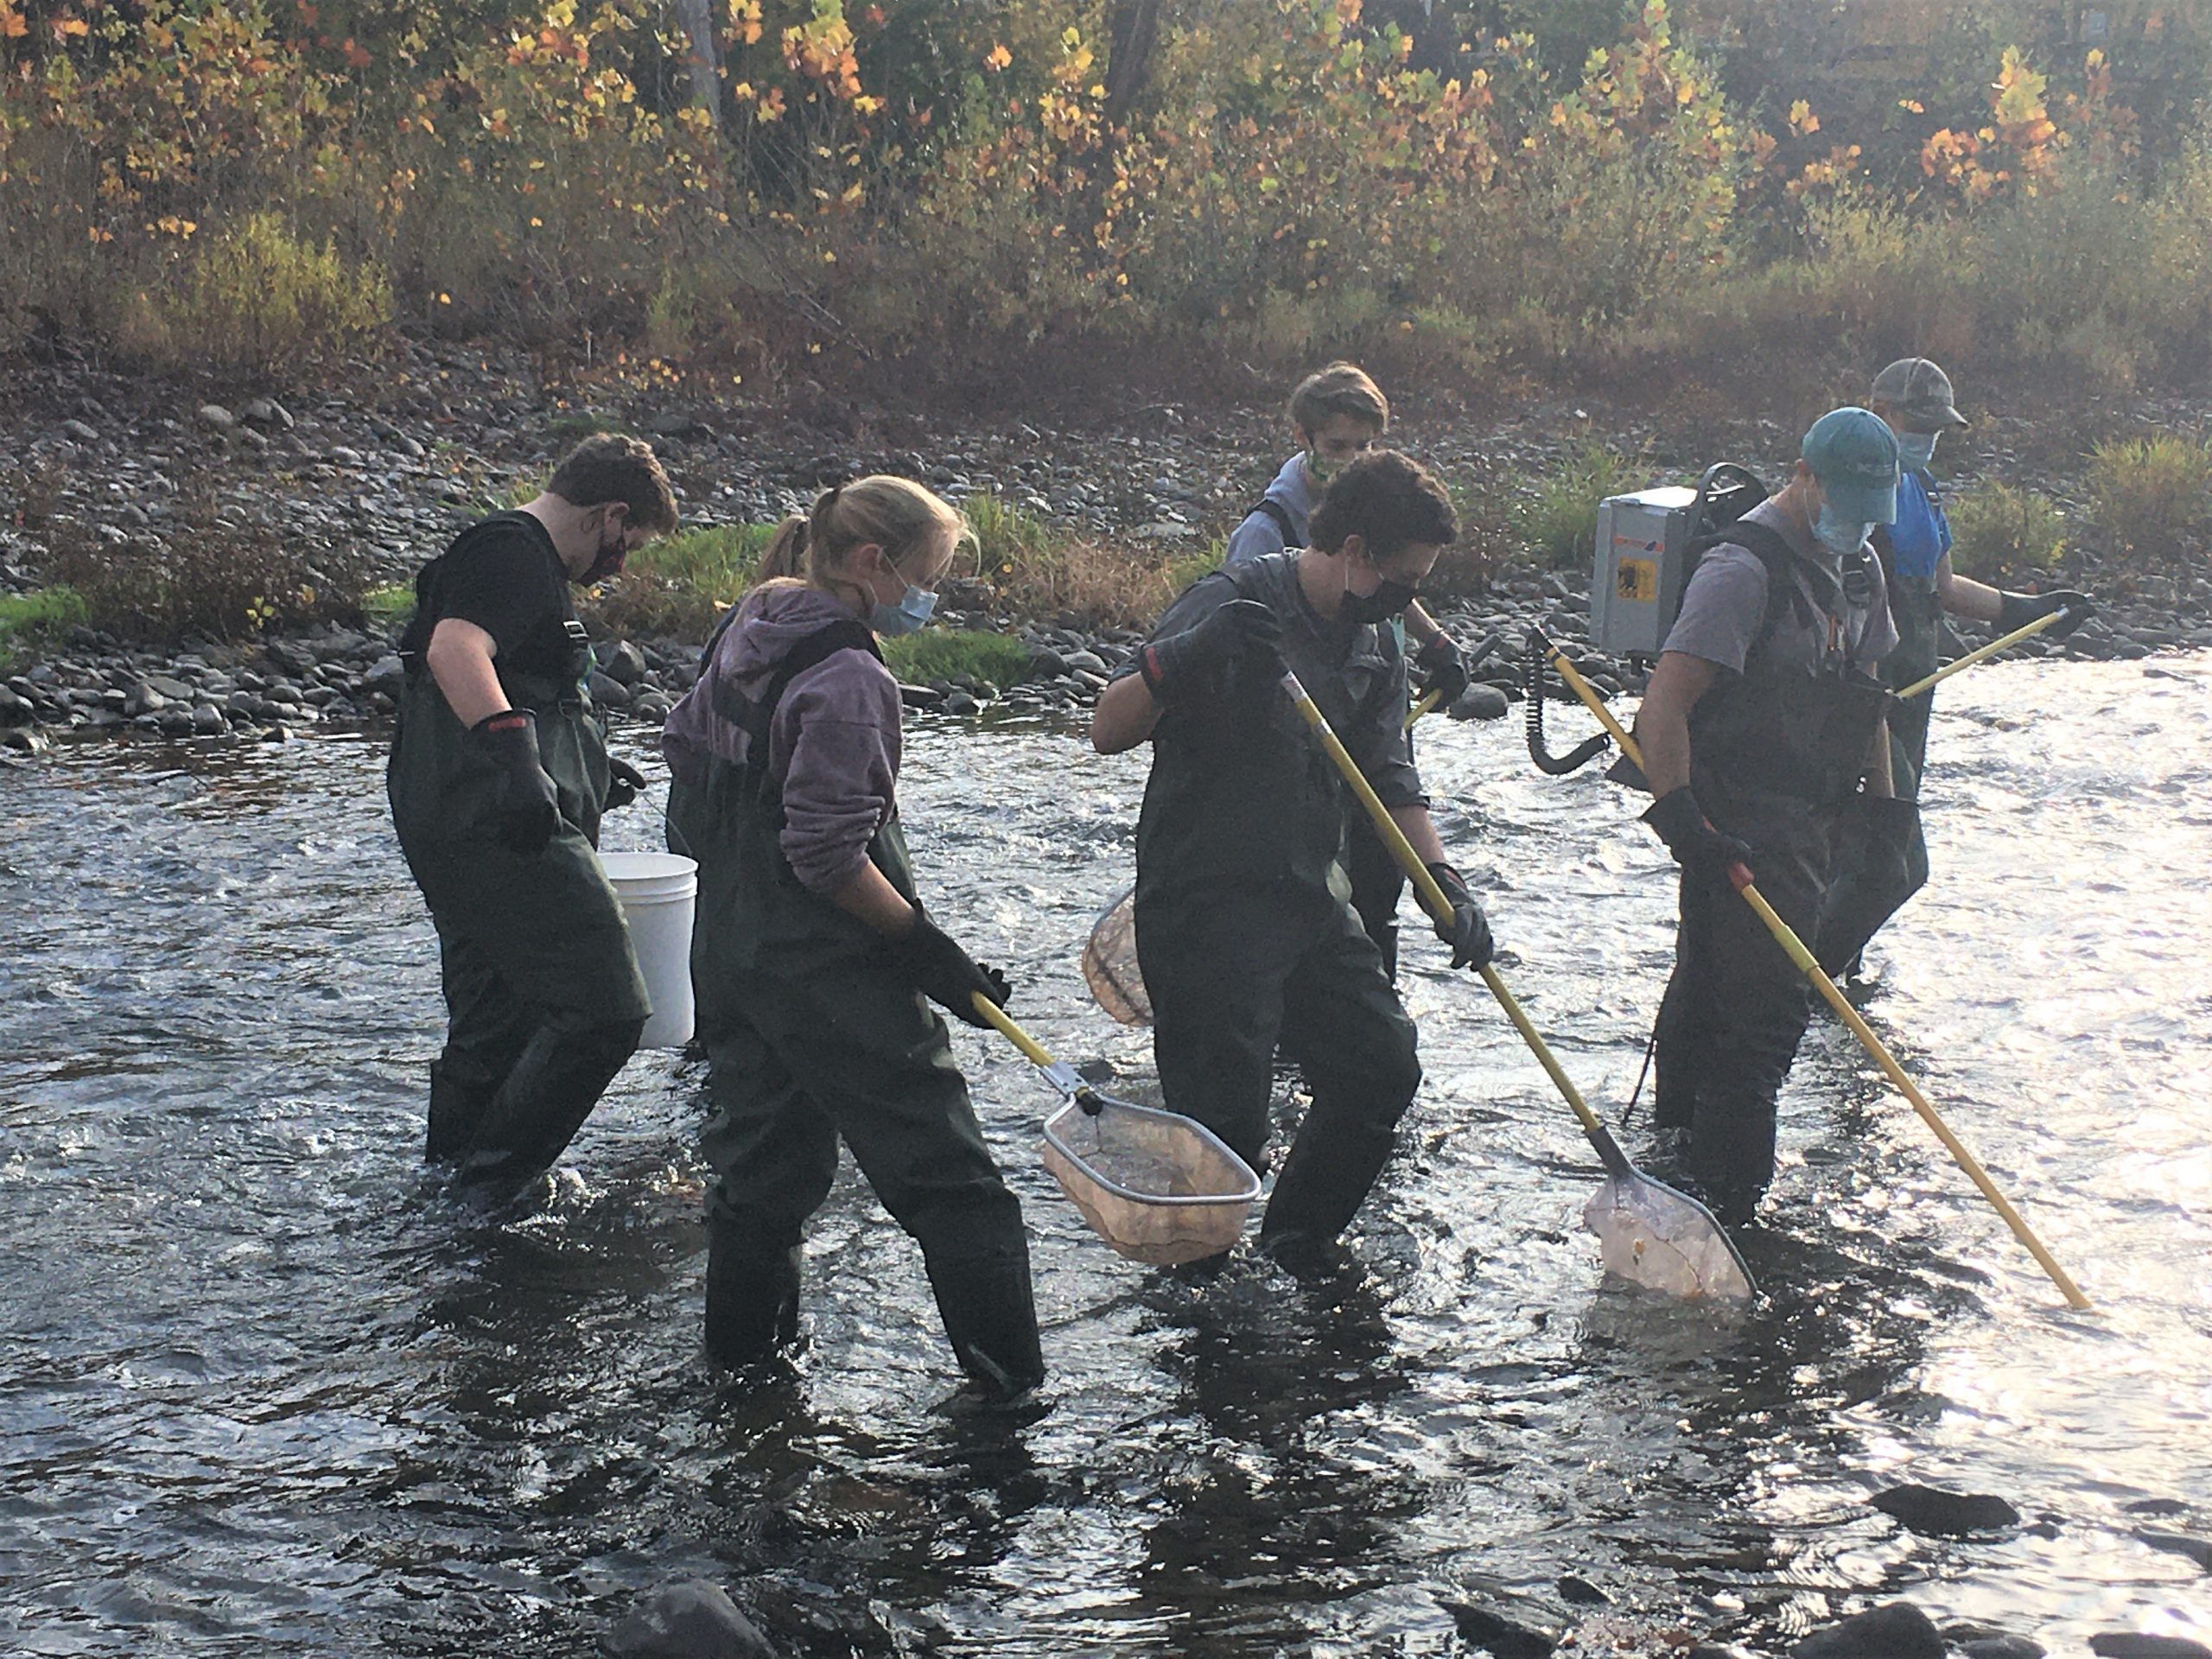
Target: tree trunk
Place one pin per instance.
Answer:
(703, 63)
(1135, 31)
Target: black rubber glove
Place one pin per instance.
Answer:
(525, 806)
(1696, 845)
(1443, 667)
(942, 972)
(1468, 931)
(1243, 631)
(623, 783)
(2019, 610)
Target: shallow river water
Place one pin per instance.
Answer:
(264, 1390)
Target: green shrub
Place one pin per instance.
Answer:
(2001, 531)
(2149, 495)
(217, 578)
(28, 619)
(934, 654)
(1559, 523)
(257, 295)
(677, 585)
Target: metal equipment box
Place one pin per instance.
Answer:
(1636, 588)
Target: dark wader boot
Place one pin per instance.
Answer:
(1776, 755)
(1877, 873)
(542, 992)
(810, 1037)
(1234, 974)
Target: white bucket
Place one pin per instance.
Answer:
(659, 892)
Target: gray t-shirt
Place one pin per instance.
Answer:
(1727, 601)
(1260, 534)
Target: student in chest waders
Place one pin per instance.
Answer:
(498, 776)
(813, 961)
(1883, 860)
(1336, 415)
(1246, 933)
(1762, 721)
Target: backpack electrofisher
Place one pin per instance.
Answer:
(1648, 544)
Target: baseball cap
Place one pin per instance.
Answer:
(1854, 455)
(1921, 393)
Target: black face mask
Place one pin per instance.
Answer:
(606, 562)
(1385, 603)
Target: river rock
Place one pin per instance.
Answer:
(142, 699)
(921, 697)
(1480, 702)
(607, 691)
(80, 431)
(173, 722)
(2180, 1543)
(1932, 1510)
(267, 413)
(695, 1620)
(1082, 661)
(651, 705)
(2002, 1647)
(215, 418)
(1896, 1630)
(387, 674)
(2125, 1644)
(207, 721)
(961, 702)
(623, 663)
(14, 711)
(22, 740)
(1503, 1639)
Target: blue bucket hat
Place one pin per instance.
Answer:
(1854, 455)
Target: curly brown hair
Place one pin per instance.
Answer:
(1389, 500)
(606, 468)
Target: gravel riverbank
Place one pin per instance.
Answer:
(381, 473)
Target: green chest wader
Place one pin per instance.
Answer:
(535, 958)
(810, 1036)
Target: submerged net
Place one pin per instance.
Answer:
(1158, 1187)
(1664, 1241)
(1109, 963)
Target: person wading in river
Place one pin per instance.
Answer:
(1883, 862)
(1761, 721)
(1336, 415)
(498, 776)
(813, 961)
(1245, 931)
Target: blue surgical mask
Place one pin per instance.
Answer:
(1915, 449)
(1841, 537)
(912, 611)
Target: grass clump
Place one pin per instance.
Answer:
(32, 618)
(1999, 531)
(258, 296)
(939, 654)
(1558, 522)
(676, 586)
(2151, 496)
(1033, 568)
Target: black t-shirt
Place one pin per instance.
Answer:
(505, 575)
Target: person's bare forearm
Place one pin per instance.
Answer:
(1964, 596)
(867, 895)
(459, 658)
(1663, 724)
(1125, 716)
(1419, 831)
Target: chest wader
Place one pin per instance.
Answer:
(542, 993)
(1239, 966)
(1882, 861)
(810, 1036)
(1775, 759)
(1377, 883)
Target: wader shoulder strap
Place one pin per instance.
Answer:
(1275, 509)
(754, 716)
(1771, 548)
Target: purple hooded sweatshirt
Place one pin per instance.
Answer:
(833, 746)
